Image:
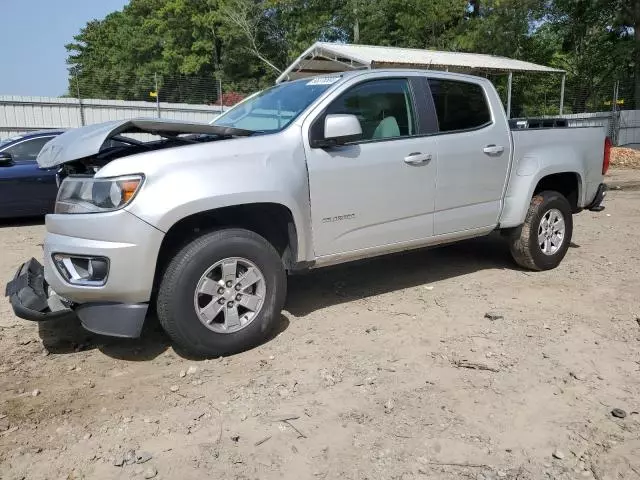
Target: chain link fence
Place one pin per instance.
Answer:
(169, 88)
(536, 95)
(608, 103)
(533, 95)
(158, 90)
(625, 108)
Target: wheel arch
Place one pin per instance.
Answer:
(569, 184)
(522, 189)
(273, 221)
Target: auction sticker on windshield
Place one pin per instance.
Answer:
(323, 81)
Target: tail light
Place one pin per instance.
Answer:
(607, 155)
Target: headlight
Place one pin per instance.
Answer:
(94, 195)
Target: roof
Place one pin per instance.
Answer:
(49, 131)
(324, 57)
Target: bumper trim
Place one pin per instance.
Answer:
(28, 295)
(596, 205)
(123, 320)
(32, 299)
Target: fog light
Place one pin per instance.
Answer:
(77, 270)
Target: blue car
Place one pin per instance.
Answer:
(25, 189)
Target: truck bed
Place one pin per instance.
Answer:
(530, 123)
(538, 152)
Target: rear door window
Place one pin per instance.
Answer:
(459, 105)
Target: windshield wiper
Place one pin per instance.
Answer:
(226, 131)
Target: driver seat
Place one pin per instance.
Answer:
(387, 128)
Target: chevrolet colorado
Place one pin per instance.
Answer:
(205, 221)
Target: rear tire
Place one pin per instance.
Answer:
(543, 240)
(198, 278)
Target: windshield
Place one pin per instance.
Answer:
(275, 108)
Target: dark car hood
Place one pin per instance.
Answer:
(87, 141)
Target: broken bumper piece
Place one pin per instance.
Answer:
(32, 299)
(597, 204)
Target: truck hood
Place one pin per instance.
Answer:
(84, 142)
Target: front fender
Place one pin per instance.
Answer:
(184, 181)
(183, 210)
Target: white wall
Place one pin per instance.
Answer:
(22, 114)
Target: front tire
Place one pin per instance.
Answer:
(222, 293)
(543, 240)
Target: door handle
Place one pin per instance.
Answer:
(493, 149)
(417, 159)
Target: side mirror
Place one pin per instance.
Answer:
(338, 130)
(6, 159)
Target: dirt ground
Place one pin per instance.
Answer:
(366, 378)
(625, 157)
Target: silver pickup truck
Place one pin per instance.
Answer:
(205, 221)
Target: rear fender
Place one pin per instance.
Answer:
(525, 177)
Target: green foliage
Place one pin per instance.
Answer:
(191, 45)
(592, 48)
(407, 23)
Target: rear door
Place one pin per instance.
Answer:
(379, 190)
(473, 154)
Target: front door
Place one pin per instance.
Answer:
(26, 190)
(379, 190)
(473, 156)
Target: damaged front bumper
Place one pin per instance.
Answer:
(33, 299)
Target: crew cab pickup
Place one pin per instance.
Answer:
(205, 221)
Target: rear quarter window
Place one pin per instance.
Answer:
(459, 105)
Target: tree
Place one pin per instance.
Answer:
(590, 48)
(194, 44)
(187, 43)
(404, 23)
(502, 27)
(300, 23)
(627, 19)
(253, 23)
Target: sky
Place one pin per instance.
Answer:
(34, 33)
